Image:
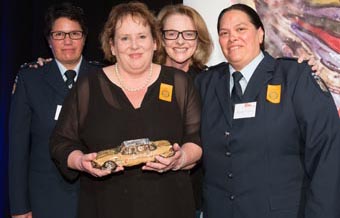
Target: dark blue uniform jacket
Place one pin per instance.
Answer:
(282, 163)
(35, 184)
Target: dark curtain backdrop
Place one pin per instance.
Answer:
(22, 41)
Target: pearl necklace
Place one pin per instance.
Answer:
(121, 81)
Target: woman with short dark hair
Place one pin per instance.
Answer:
(270, 131)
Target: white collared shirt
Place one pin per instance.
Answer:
(247, 72)
(63, 69)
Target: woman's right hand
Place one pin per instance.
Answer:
(36, 64)
(82, 162)
(41, 61)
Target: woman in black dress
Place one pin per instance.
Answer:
(126, 101)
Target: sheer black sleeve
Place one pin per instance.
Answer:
(190, 106)
(66, 135)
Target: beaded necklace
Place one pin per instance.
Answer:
(122, 84)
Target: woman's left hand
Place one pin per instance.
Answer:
(162, 164)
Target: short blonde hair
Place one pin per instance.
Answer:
(204, 46)
(136, 10)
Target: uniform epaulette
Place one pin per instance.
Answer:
(287, 58)
(28, 65)
(319, 81)
(216, 66)
(97, 63)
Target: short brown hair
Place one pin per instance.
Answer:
(64, 10)
(136, 10)
(204, 46)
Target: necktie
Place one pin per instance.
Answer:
(236, 93)
(70, 74)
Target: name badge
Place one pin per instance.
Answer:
(245, 110)
(57, 112)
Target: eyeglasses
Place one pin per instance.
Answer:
(59, 35)
(174, 34)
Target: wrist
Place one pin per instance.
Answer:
(182, 160)
(75, 160)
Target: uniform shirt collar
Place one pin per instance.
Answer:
(62, 68)
(247, 72)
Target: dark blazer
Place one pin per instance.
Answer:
(34, 181)
(282, 163)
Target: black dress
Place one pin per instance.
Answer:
(97, 115)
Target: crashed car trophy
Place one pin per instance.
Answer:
(132, 152)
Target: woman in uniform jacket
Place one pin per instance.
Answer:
(36, 188)
(270, 132)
